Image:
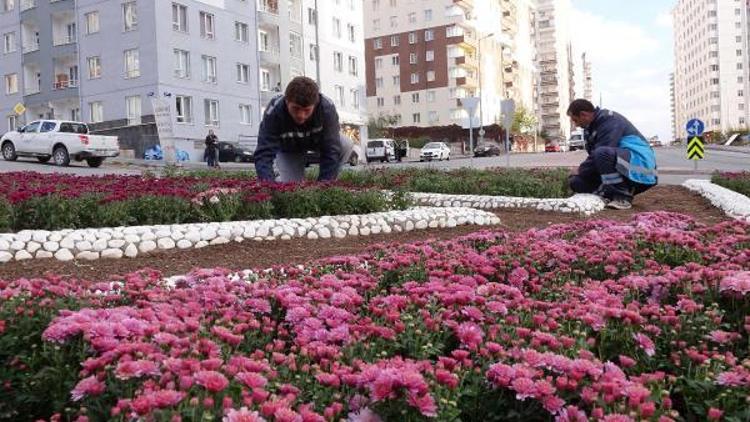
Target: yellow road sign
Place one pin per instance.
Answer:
(696, 150)
(19, 109)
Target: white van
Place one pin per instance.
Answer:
(382, 149)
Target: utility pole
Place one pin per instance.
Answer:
(481, 93)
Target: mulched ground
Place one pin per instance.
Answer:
(251, 254)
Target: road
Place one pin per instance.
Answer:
(674, 167)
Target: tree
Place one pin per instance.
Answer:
(523, 121)
(382, 126)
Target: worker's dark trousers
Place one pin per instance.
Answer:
(599, 175)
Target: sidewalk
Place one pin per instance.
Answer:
(728, 148)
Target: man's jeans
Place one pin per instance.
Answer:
(292, 165)
(599, 175)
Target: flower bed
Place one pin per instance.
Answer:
(602, 320)
(56, 201)
(738, 182)
(734, 204)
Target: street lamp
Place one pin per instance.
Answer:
(481, 94)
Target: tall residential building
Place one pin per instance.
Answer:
(520, 71)
(554, 58)
(333, 35)
(711, 63)
(588, 82)
(280, 45)
(423, 57)
(101, 61)
(672, 109)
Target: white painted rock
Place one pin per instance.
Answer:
(100, 245)
(165, 243)
(33, 247)
(4, 245)
(64, 255)
(131, 251)
(68, 243)
(17, 245)
(23, 255)
(84, 245)
(421, 225)
(42, 254)
(225, 233)
(201, 244)
(324, 233)
(55, 237)
(364, 231)
(193, 236)
(184, 244)
(221, 240)
(132, 238)
(339, 233)
(51, 246)
(163, 233)
(208, 234)
(353, 231)
(5, 257)
(312, 235)
(409, 226)
(147, 246)
(87, 256)
(40, 236)
(116, 243)
(176, 236)
(145, 237)
(112, 253)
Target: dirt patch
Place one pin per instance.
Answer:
(252, 254)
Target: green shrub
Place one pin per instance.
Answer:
(738, 182)
(6, 215)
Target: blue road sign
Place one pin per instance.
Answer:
(695, 127)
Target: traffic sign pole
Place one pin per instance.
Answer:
(695, 145)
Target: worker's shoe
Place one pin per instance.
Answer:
(620, 204)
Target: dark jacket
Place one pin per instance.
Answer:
(280, 133)
(212, 142)
(607, 129)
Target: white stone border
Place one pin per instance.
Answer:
(735, 205)
(580, 203)
(92, 244)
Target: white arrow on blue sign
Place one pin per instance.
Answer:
(695, 127)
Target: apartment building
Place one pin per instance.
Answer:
(521, 76)
(555, 62)
(102, 61)
(711, 63)
(588, 81)
(672, 108)
(422, 58)
(334, 41)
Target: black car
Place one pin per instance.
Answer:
(313, 157)
(229, 152)
(487, 150)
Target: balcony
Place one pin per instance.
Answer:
(467, 81)
(30, 48)
(466, 4)
(270, 55)
(467, 61)
(64, 83)
(27, 4)
(63, 40)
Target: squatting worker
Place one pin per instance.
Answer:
(300, 120)
(621, 163)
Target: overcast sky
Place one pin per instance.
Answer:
(630, 46)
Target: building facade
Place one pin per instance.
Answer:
(102, 61)
(334, 41)
(588, 78)
(711, 64)
(554, 59)
(422, 58)
(519, 57)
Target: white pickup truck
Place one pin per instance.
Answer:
(60, 141)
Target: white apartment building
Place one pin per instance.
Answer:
(334, 42)
(521, 75)
(588, 78)
(554, 59)
(423, 57)
(101, 61)
(711, 64)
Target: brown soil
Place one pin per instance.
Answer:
(251, 254)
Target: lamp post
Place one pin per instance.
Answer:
(481, 94)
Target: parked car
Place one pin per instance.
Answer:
(576, 141)
(229, 152)
(435, 151)
(487, 149)
(552, 147)
(313, 157)
(60, 141)
(383, 150)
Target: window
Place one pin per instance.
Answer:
(11, 84)
(312, 18)
(295, 45)
(412, 17)
(377, 43)
(429, 35)
(130, 16)
(338, 61)
(181, 63)
(430, 76)
(183, 109)
(207, 25)
(355, 99)
(376, 24)
(416, 118)
(381, 102)
(396, 80)
(394, 40)
(412, 37)
(265, 80)
(179, 17)
(378, 82)
(133, 109)
(264, 41)
(313, 52)
(47, 127)
(246, 116)
(428, 14)
(378, 63)
(415, 98)
(339, 95)
(12, 123)
(241, 32)
(396, 100)
(209, 69)
(394, 21)
(8, 5)
(9, 42)
(95, 67)
(337, 27)
(96, 111)
(433, 117)
(351, 32)
(395, 60)
(353, 66)
(430, 96)
(211, 109)
(415, 78)
(92, 22)
(132, 63)
(243, 73)
(412, 58)
(429, 55)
